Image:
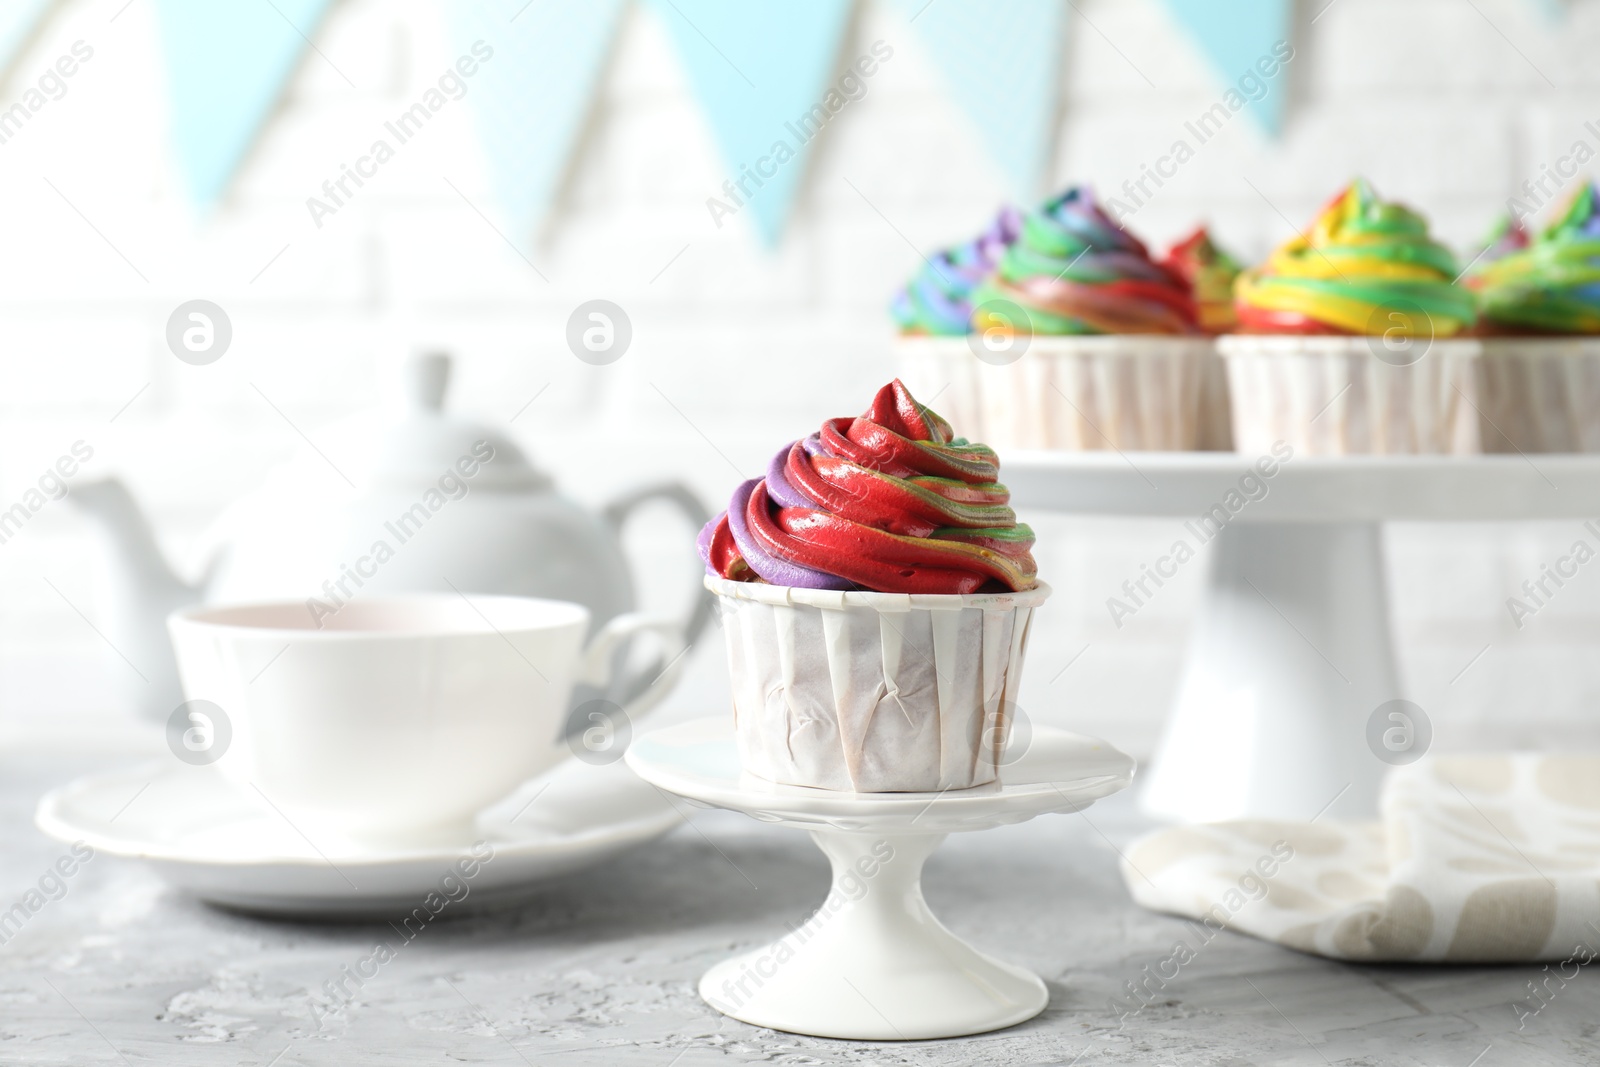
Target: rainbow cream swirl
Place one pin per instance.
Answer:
(890, 502)
(1075, 271)
(1210, 273)
(1363, 262)
(939, 299)
(1553, 285)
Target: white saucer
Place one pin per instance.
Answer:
(224, 846)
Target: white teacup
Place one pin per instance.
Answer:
(400, 714)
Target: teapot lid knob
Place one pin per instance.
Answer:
(429, 376)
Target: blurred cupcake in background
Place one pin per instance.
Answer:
(1083, 341)
(1351, 338)
(936, 305)
(938, 301)
(1210, 273)
(1505, 237)
(1539, 303)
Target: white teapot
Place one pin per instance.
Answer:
(418, 502)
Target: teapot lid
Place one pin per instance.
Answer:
(416, 446)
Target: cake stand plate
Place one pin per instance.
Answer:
(873, 963)
(1292, 652)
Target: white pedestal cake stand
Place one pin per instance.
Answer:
(1292, 650)
(873, 963)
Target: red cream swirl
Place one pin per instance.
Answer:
(890, 501)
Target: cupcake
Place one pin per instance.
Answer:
(938, 301)
(1539, 308)
(1210, 273)
(1506, 236)
(1091, 343)
(1350, 339)
(876, 592)
(936, 306)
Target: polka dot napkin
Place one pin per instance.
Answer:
(1476, 859)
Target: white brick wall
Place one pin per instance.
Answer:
(1424, 96)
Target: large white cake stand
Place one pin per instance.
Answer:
(1292, 649)
(873, 963)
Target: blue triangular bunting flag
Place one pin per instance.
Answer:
(1002, 65)
(227, 63)
(532, 97)
(1240, 38)
(763, 70)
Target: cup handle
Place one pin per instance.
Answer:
(682, 497)
(600, 656)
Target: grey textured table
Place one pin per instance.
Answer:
(600, 968)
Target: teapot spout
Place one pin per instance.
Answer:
(137, 560)
(143, 591)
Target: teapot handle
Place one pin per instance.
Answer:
(616, 515)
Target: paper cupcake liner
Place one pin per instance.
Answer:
(1216, 409)
(1132, 392)
(1540, 394)
(873, 692)
(1330, 396)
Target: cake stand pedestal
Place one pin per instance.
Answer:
(1292, 650)
(874, 963)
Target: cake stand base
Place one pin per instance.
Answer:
(873, 964)
(1291, 655)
